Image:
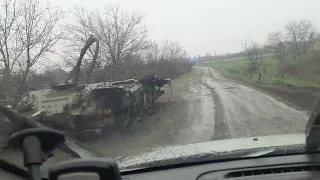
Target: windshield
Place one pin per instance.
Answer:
(133, 78)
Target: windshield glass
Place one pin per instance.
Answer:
(133, 78)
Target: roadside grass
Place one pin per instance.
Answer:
(269, 76)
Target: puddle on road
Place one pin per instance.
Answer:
(207, 108)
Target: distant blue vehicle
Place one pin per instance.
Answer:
(194, 59)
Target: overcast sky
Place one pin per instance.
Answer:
(211, 25)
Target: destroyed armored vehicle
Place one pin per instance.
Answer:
(76, 107)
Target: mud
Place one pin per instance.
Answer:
(204, 107)
(303, 99)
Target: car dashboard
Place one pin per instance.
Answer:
(293, 167)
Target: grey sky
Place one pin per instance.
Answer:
(212, 25)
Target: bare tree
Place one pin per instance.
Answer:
(163, 57)
(169, 51)
(172, 51)
(301, 35)
(153, 53)
(38, 32)
(122, 35)
(10, 47)
(292, 30)
(255, 55)
(307, 34)
(276, 42)
(125, 51)
(27, 34)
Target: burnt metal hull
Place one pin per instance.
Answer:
(83, 109)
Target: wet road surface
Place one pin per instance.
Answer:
(204, 107)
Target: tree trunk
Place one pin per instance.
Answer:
(24, 79)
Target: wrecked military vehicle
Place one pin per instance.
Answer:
(80, 108)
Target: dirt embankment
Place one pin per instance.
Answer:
(300, 97)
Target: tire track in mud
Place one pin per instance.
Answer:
(221, 127)
(199, 124)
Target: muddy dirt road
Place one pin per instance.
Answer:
(205, 107)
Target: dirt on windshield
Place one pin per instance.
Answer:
(205, 107)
